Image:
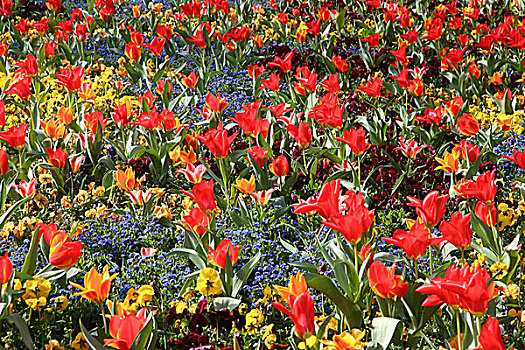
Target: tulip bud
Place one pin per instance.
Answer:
(280, 166)
(4, 162)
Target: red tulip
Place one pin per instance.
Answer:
(16, 137)
(356, 140)
(2, 113)
(302, 314)
(216, 104)
(93, 120)
(518, 158)
(414, 242)
(6, 269)
(149, 120)
(431, 209)
(121, 115)
(467, 288)
(340, 63)
(218, 141)
(125, 328)
(28, 67)
(326, 204)
(57, 158)
(259, 154)
(64, 253)
(190, 81)
(133, 50)
(373, 87)
(50, 48)
(467, 150)
(482, 212)
(409, 148)
(249, 122)
(21, 88)
(196, 221)
(198, 40)
(165, 31)
(484, 188)
(279, 166)
(284, 64)
(4, 162)
(202, 193)
(71, 79)
(457, 231)
(301, 134)
(272, 83)
(384, 282)
(156, 46)
(328, 112)
(467, 125)
(490, 335)
(225, 248)
(355, 222)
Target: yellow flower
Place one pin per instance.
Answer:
(181, 307)
(209, 282)
(45, 178)
(36, 303)
(37, 288)
(80, 342)
(347, 341)
(146, 294)
(61, 302)
(310, 342)
(512, 291)
(500, 267)
(53, 345)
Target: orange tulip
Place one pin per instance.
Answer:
(125, 180)
(96, 285)
(245, 186)
(296, 287)
(449, 163)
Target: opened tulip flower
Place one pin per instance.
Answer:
(384, 282)
(518, 157)
(193, 173)
(457, 231)
(57, 158)
(96, 285)
(218, 141)
(414, 242)
(26, 189)
(225, 248)
(125, 179)
(355, 139)
(431, 209)
(125, 328)
(197, 221)
(202, 193)
(245, 186)
(302, 314)
(15, 136)
(326, 204)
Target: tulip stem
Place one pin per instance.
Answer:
(104, 318)
(462, 257)
(475, 329)
(458, 325)
(355, 259)
(415, 269)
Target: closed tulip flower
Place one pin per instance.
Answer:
(279, 166)
(202, 193)
(4, 162)
(355, 139)
(6, 269)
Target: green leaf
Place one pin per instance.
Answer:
(242, 276)
(29, 266)
(383, 330)
(192, 255)
(22, 327)
(351, 311)
(143, 338)
(226, 303)
(91, 340)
